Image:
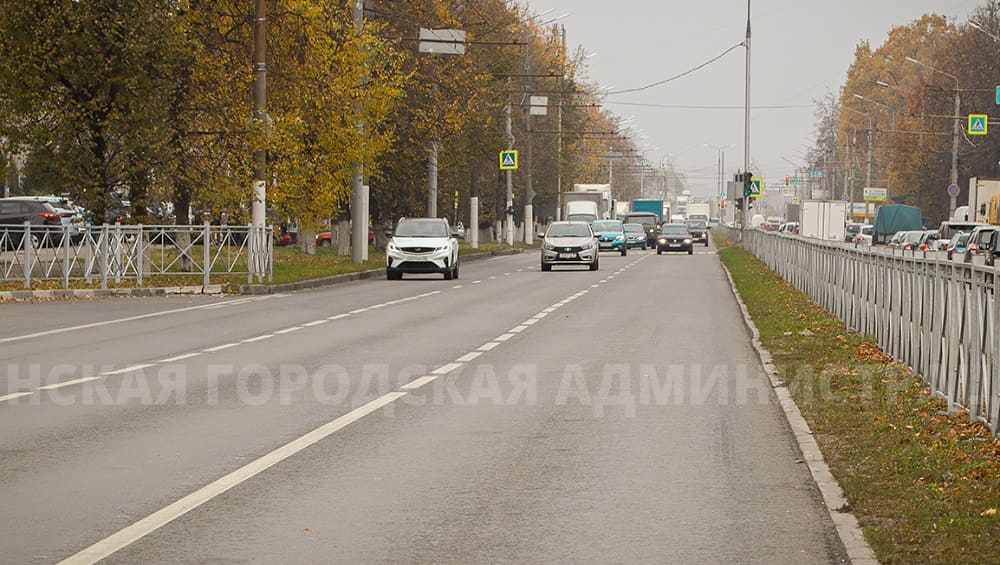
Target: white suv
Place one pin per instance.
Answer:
(422, 245)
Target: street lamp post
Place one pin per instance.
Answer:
(955, 128)
(868, 174)
(892, 128)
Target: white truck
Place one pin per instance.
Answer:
(823, 219)
(984, 200)
(605, 203)
(699, 211)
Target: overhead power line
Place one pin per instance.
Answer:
(702, 107)
(681, 75)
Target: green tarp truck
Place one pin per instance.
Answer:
(892, 218)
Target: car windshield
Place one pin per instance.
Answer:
(868, 230)
(606, 226)
(853, 228)
(962, 239)
(913, 237)
(674, 229)
(422, 228)
(697, 225)
(568, 230)
(634, 228)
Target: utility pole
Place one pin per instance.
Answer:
(746, 125)
(509, 177)
(559, 164)
(259, 205)
(954, 149)
(432, 168)
(868, 175)
(529, 189)
(359, 200)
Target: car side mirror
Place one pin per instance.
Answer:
(455, 234)
(387, 232)
(541, 235)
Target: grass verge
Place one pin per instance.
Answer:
(923, 482)
(290, 265)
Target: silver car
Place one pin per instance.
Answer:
(569, 243)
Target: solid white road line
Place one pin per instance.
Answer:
(107, 323)
(14, 395)
(468, 356)
(128, 369)
(258, 338)
(358, 311)
(489, 346)
(445, 369)
(68, 383)
(219, 347)
(160, 518)
(179, 357)
(288, 330)
(338, 317)
(315, 323)
(417, 383)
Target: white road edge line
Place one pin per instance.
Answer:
(338, 317)
(219, 347)
(14, 395)
(164, 516)
(469, 356)
(288, 330)
(315, 323)
(108, 322)
(128, 369)
(258, 338)
(67, 383)
(179, 357)
(417, 383)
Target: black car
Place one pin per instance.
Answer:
(674, 237)
(46, 223)
(699, 231)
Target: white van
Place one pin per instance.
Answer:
(758, 221)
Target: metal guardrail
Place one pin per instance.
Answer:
(122, 252)
(939, 316)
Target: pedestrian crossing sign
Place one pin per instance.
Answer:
(508, 160)
(755, 187)
(978, 124)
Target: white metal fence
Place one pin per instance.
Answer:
(133, 252)
(939, 316)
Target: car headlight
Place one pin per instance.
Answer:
(548, 247)
(688, 240)
(662, 240)
(443, 248)
(392, 247)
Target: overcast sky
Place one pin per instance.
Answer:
(800, 50)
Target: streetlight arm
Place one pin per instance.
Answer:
(926, 66)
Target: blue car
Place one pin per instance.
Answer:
(610, 236)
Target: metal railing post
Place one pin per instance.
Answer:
(104, 256)
(119, 267)
(66, 242)
(140, 255)
(206, 245)
(26, 243)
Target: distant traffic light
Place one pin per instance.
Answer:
(739, 203)
(747, 184)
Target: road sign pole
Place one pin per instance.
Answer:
(954, 148)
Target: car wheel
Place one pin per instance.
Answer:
(325, 242)
(643, 246)
(393, 275)
(706, 243)
(691, 251)
(594, 266)
(449, 274)
(624, 251)
(546, 267)
(659, 251)
(455, 274)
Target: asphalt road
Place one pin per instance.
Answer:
(510, 416)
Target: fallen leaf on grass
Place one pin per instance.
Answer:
(989, 513)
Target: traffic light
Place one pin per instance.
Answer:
(739, 203)
(747, 184)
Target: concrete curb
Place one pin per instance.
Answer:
(216, 289)
(848, 528)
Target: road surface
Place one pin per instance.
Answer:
(509, 416)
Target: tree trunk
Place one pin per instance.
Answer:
(343, 238)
